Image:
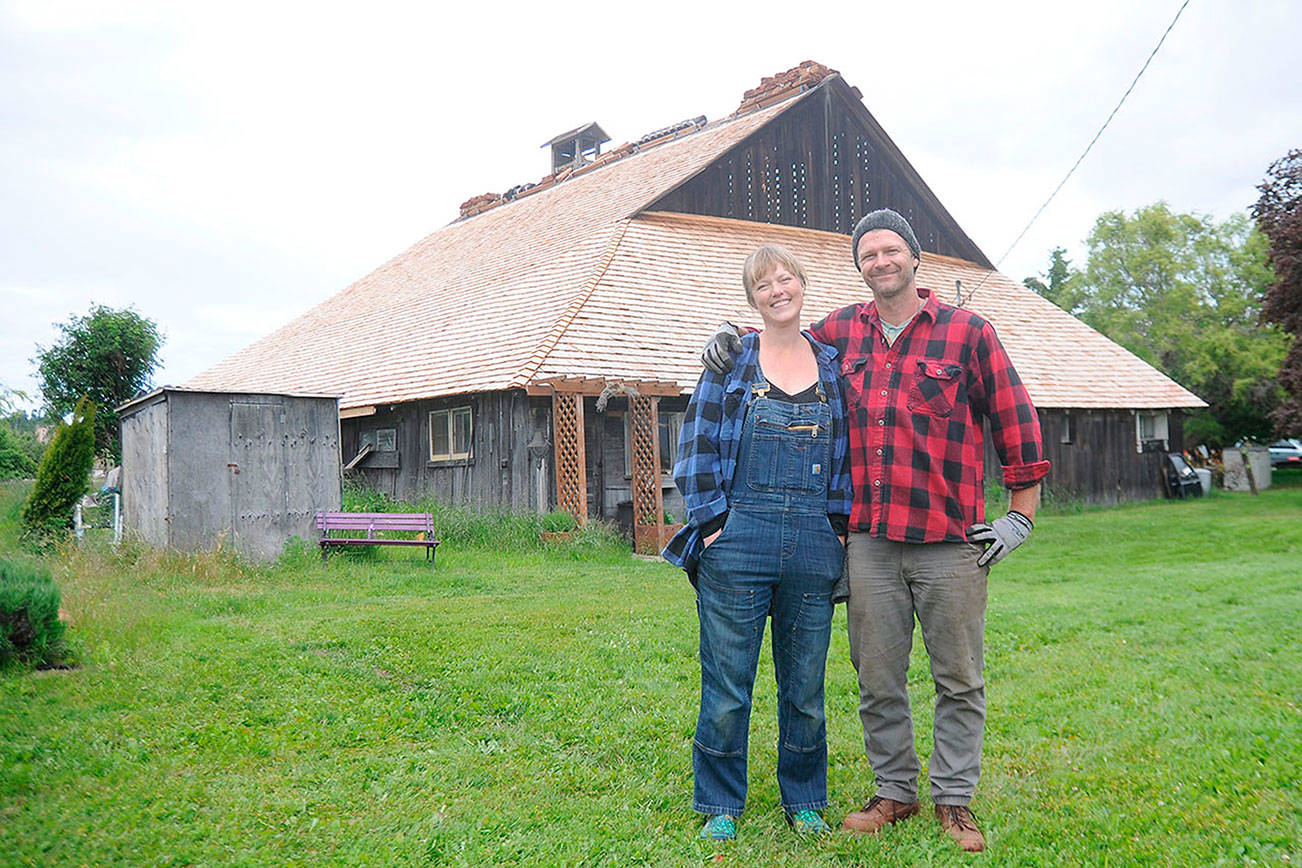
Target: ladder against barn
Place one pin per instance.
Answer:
(650, 533)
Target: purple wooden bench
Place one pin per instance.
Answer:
(373, 523)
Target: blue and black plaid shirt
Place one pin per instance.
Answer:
(711, 438)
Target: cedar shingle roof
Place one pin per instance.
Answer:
(572, 281)
(676, 276)
(475, 304)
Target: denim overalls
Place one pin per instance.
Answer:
(777, 555)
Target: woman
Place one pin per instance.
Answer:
(763, 469)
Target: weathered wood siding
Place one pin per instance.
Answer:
(144, 478)
(1100, 465)
(822, 165)
(512, 453)
(512, 466)
(242, 470)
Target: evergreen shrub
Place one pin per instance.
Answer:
(30, 629)
(61, 479)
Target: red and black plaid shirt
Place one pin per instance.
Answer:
(915, 414)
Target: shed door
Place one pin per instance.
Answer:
(259, 509)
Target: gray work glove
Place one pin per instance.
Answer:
(720, 348)
(1003, 534)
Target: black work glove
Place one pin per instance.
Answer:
(1004, 534)
(720, 348)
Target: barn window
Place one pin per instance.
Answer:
(450, 434)
(671, 424)
(1068, 433)
(380, 439)
(1151, 431)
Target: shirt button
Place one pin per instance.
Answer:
(881, 421)
(877, 482)
(879, 452)
(883, 393)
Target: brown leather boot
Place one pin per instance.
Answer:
(959, 824)
(877, 813)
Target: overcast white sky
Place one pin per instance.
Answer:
(222, 167)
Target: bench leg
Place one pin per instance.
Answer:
(325, 551)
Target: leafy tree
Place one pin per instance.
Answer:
(19, 452)
(1183, 293)
(1278, 213)
(22, 428)
(1060, 284)
(62, 478)
(107, 356)
(9, 398)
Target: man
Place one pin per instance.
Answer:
(922, 377)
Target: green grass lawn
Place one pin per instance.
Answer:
(537, 707)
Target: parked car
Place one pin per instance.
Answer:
(1286, 453)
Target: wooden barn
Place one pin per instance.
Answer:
(539, 351)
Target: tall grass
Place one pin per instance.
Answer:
(485, 528)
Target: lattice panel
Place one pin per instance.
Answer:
(571, 466)
(647, 508)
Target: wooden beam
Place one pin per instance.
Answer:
(596, 385)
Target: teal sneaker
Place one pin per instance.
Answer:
(808, 823)
(720, 827)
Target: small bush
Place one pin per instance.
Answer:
(61, 480)
(558, 522)
(358, 497)
(30, 629)
(15, 463)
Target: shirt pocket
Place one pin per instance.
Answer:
(854, 378)
(935, 389)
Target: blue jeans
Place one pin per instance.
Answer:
(777, 556)
(737, 591)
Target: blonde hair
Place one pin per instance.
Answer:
(763, 261)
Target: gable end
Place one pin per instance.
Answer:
(821, 164)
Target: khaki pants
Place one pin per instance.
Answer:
(941, 584)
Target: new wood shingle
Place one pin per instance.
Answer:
(574, 279)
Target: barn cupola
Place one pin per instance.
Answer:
(578, 146)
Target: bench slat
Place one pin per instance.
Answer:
(347, 541)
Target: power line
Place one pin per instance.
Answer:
(1084, 153)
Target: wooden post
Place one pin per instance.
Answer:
(648, 505)
(1247, 469)
(571, 462)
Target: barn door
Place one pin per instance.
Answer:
(258, 472)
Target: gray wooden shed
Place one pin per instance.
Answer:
(202, 469)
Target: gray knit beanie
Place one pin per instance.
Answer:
(884, 219)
